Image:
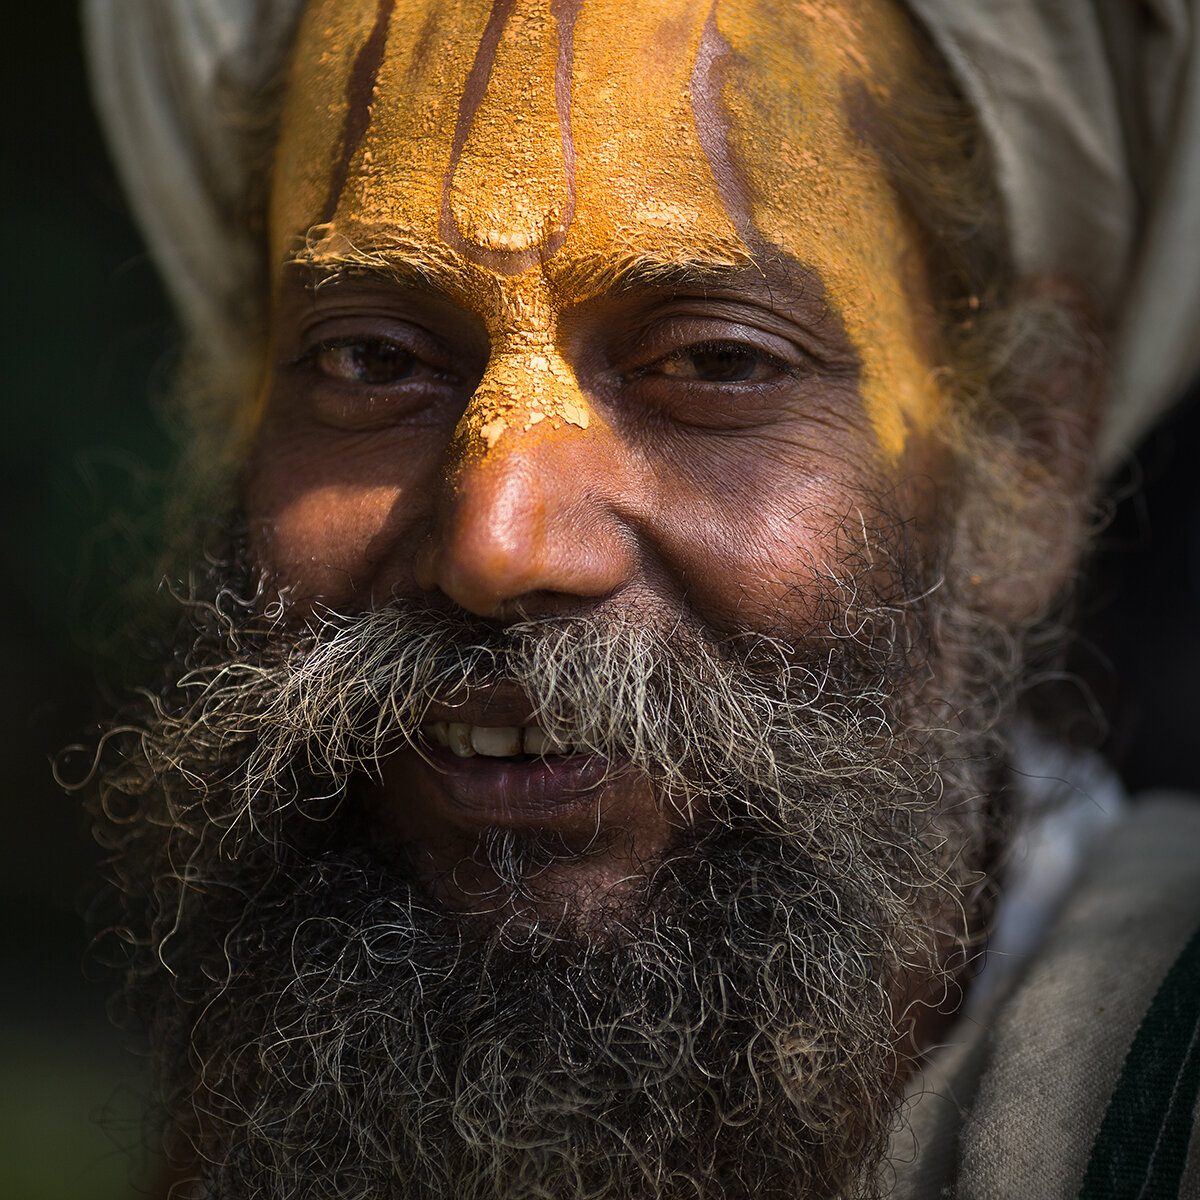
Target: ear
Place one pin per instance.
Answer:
(1031, 466)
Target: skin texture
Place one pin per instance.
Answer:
(583, 306)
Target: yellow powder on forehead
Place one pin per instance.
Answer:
(641, 164)
(327, 43)
(510, 186)
(374, 94)
(522, 139)
(820, 192)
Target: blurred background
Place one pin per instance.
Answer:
(88, 347)
(87, 340)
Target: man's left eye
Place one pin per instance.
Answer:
(720, 362)
(365, 360)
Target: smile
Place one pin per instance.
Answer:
(494, 741)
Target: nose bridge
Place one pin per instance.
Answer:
(526, 507)
(528, 392)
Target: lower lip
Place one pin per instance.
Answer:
(509, 793)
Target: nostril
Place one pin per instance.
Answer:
(529, 521)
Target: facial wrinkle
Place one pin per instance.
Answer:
(475, 217)
(360, 90)
(712, 129)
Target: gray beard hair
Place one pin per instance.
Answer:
(324, 1027)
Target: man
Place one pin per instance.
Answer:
(649, 442)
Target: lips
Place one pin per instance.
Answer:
(484, 763)
(479, 789)
(483, 760)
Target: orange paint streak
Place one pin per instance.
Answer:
(510, 143)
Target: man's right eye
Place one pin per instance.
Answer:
(365, 360)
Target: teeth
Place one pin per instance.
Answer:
(538, 741)
(460, 739)
(493, 741)
(496, 741)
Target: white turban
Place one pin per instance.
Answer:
(1092, 109)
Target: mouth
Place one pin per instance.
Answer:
(481, 764)
(475, 776)
(443, 797)
(495, 741)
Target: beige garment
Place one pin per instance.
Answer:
(1092, 109)
(175, 83)
(1009, 1108)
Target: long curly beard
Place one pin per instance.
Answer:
(325, 1026)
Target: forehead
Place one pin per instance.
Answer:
(539, 136)
(498, 118)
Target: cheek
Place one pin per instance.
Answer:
(755, 540)
(324, 523)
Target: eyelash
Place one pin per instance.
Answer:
(723, 346)
(382, 347)
(341, 343)
(717, 346)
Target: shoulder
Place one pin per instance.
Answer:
(1082, 1079)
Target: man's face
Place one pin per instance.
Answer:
(582, 309)
(598, 775)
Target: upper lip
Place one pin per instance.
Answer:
(488, 704)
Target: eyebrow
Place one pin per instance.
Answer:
(597, 274)
(443, 271)
(401, 264)
(796, 283)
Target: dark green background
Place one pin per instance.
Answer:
(87, 345)
(87, 338)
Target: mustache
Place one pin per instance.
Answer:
(693, 711)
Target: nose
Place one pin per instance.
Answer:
(535, 507)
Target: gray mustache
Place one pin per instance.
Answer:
(693, 712)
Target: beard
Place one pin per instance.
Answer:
(325, 1025)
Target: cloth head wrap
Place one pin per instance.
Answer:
(1092, 109)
